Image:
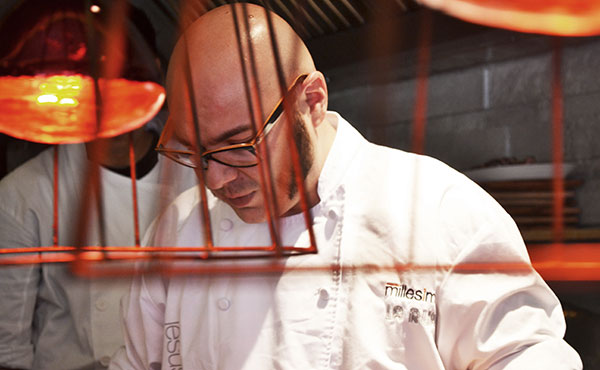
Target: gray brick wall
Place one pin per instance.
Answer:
(490, 98)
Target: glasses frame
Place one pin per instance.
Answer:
(178, 155)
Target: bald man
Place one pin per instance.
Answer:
(360, 302)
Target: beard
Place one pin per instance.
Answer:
(285, 183)
(305, 153)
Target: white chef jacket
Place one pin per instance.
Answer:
(350, 306)
(49, 318)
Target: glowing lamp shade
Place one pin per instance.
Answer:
(47, 92)
(552, 17)
(62, 109)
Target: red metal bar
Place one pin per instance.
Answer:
(256, 114)
(423, 62)
(132, 174)
(206, 225)
(551, 270)
(580, 262)
(420, 113)
(174, 250)
(581, 265)
(557, 147)
(55, 199)
(288, 109)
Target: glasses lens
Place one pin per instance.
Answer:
(238, 157)
(185, 159)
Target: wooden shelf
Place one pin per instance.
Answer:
(531, 204)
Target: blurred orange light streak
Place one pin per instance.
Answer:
(206, 224)
(581, 262)
(295, 155)
(423, 58)
(256, 114)
(557, 149)
(55, 197)
(132, 174)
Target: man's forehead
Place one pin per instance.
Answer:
(211, 131)
(221, 105)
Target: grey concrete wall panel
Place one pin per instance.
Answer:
(581, 68)
(520, 81)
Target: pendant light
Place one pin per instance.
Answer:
(552, 17)
(68, 74)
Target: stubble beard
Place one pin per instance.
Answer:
(306, 158)
(305, 154)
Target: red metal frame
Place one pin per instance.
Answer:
(555, 261)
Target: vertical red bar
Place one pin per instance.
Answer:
(206, 225)
(136, 223)
(252, 90)
(420, 113)
(55, 205)
(557, 147)
(423, 62)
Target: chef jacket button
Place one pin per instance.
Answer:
(226, 224)
(223, 304)
(323, 298)
(105, 361)
(101, 305)
(332, 214)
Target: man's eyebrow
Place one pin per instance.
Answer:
(229, 133)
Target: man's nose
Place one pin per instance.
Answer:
(218, 175)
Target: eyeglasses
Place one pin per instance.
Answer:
(237, 155)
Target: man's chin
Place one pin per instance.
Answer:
(244, 208)
(251, 215)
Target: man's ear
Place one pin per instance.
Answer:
(315, 90)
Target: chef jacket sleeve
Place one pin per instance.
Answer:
(502, 315)
(18, 292)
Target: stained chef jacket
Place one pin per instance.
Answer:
(50, 319)
(388, 289)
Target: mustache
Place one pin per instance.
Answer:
(236, 188)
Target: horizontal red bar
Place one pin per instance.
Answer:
(554, 262)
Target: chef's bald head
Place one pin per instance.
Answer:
(223, 41)
(225, 79)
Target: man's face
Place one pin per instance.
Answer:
(229, 123)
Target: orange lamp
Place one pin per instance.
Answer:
(552, 17)
(66, 76)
